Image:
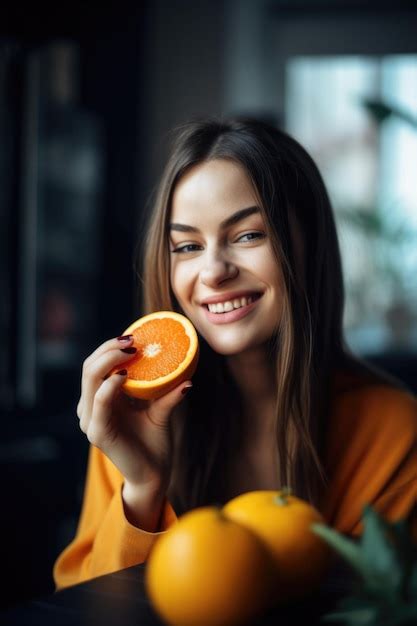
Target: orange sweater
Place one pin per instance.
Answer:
(371, 457)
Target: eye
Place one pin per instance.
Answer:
(188, 247)
(251, 236)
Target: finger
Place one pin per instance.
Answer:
(159, 411)
(122, 342)
(98, 371)
(117, 342)
(100, 429)
(137, 404)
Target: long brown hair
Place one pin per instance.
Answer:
(308, 346)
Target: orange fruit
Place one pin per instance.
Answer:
(206, 570)
(167, 354)
(283, 522)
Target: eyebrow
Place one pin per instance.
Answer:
(229, 221)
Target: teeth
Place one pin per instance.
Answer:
(229, 305)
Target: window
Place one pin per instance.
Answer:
(357, 116)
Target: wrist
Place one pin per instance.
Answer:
(143, 505)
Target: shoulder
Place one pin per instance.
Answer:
(371, 452)
(367, 420)
(382, 405)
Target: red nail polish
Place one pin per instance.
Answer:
(122, 372)
(186, 388)
(128, 350)
(125, 338)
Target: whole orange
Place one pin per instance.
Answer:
(282, 521)
(208, 571)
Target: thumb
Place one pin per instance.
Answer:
(161, 408)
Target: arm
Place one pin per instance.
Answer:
(128, 470)
(106, 540)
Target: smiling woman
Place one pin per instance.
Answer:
(241, 240)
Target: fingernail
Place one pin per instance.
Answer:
(122, 372)
(125, 338)
(186, 388)
(128, 350)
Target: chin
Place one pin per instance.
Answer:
(229, 346)
(225, 350)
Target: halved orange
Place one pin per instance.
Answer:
(167, 354)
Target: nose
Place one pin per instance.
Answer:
(217, 269)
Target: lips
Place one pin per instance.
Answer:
(233, 295)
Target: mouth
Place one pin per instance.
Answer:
(220, 308)
(231, 310)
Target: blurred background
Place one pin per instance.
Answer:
(87, 99)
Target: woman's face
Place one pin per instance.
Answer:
(223, 270)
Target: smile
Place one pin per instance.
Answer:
(231, 310)
(230, 305)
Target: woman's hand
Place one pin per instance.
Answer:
(133, 434)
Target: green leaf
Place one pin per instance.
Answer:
(383, 562)
(407, 556)
(406, 615)
(358, 617)
(386, 559)
(353, 611)
(412, 584)
(380, 111)
(347, 548)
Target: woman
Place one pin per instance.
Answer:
(242, 241)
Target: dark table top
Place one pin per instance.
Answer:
(120, 599)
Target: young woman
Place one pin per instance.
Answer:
(241, 240)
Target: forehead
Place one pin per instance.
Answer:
(215, 188)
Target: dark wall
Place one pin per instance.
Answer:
(139, 74)
(42, 451)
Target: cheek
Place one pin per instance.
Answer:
(267, 269)
(174, 280)
(181, 279)
(273, 270)
(276, 277)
